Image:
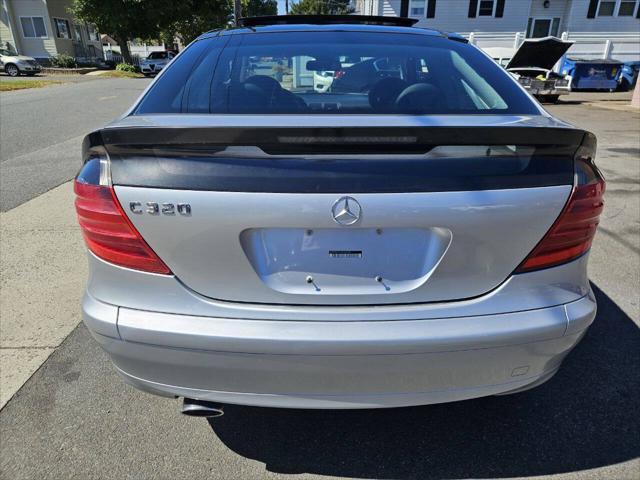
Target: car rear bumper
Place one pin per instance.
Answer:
(352, 364)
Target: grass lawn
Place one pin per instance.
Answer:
(7, 86)
(119, 74)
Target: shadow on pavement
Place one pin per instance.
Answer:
(587, 416)
(570, 102)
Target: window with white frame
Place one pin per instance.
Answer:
(416, 8)
(620, 8)
(62, 28)
(627, 8)
(486, 8)
(33, 27)
(543, 27)
(606, 8)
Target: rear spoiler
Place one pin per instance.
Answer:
(376, 140)
(338, 160)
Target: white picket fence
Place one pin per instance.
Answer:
(138, 52)
(613, 45)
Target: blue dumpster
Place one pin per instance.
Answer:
(592, 74)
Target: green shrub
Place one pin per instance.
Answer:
(125, 67)
(63, 60)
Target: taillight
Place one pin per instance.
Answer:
(338, 74)
(573, 231)
(107, 231)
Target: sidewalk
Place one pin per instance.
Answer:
(42, 276)
(613, 101)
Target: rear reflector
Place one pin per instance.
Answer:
(572, 233)
(108, 232)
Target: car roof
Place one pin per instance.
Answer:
(330, 23)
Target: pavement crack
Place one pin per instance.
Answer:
(618, 238)
(46, 347)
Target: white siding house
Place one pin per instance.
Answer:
(29, 38)
(622, 31)
(44, 28)
(599, 28)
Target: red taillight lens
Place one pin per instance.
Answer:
(338, 74)
(572, 233)
(108, 232)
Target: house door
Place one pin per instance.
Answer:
(543, 27)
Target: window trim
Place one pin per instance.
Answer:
(31, 17)
(616, 9)
(424, 8)
(493, 11)
(55, 24)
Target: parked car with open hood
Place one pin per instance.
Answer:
(14, 65)
(532, 64)
(418, 235)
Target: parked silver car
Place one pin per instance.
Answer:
(155, 62)
(420, 237)
(13, 64)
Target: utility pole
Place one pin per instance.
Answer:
(286, 6)
(237, 11)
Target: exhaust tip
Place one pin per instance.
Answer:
(201, 408)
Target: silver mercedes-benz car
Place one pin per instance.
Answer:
(417, 233)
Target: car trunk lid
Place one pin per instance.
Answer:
(343, 215)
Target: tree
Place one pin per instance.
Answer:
(321, 7)
(257, 8)
(200, 16)
(125, 20)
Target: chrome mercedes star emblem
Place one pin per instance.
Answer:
(346, 211)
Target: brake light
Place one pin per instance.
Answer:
(572, 233)
(339, 74)
(107, 231)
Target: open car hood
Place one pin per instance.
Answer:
(539, 52)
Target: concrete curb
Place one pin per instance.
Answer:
(67, 71)
(42, 275)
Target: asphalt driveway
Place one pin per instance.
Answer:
(75, 419)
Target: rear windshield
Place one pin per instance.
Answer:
(335, 73)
